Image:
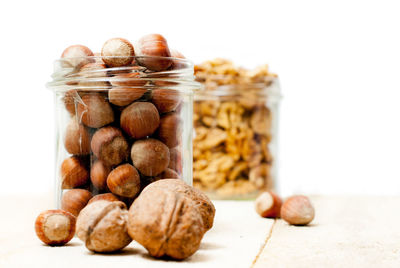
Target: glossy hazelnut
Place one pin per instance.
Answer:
(140, 119)
(117, 52)
(123, 96)
(77, 138)
(73, 173)
(75, 56)
(104, 197)
(175, 160)
(69, 100)
(109, 145)
(166, 100)
(98, 175)
(168, 174)
(153, 45)
(150, 156)
(170, 129)
(94, 111)
(75, 200)
(124, 181)
(268, 205)
(93, 70)
(297, 210)
(102, 226)
(55, 227)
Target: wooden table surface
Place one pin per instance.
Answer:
(348, 231)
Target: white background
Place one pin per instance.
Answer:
(338, 62)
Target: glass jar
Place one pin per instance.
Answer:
(236, 130)
(118, 129)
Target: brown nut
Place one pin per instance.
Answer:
(140, 119)
(94, 111)
(127, 80)
(69, 100)
(93, 70)
(175, 160)
(268, 205)
(77, 138)
(102, 226)
(177, 64)
(117, 52)
(75, 200)
(150, 156)
(166, 223)
(297, 210)
(153, 45)
(170, 129)
(203, 203)
(76, 56)
(166, 100)
(122, 96)
(73, 173)
(104, 197)
(124, 181)
(55, 227)
(98, 175)
(109, 145)
(168, 174)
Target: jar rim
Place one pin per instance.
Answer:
(66, 76)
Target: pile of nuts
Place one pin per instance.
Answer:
(233, 130)
(169, 219)
(296, 210)
(125, 128)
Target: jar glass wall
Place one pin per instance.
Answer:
(119, 129)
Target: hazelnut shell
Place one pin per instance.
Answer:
(117, 52)
(268, 205)
(297, 210)
(94, 111)
(77, 138)
(166, 100)
(170, 130)
(98, 175)
(73, 173)
(124, 181)
(150, 156)
(153, 45)
(75, 200)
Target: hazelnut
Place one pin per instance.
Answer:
(77, 138)
(117, 52)
(76, 56)
(176, 63)
(168, 174)
(69, 100)
(98, 175)
(73, 173)
(140, 119)
(109, 145)
(55, 227)
(297, 210)
(170, 129)
(150, 156)
(132, 79)
(175, 160)
(94, 111)
(93, 69)
(153, 45)
(122, 96)
(166, 223)
(203, 203)
(104, 197)
(268, 205)
(75, 200)
(102, 226)
(124, 181)
(166, 100)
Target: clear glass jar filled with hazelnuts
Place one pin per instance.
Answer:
(123, 119)
(235, 130)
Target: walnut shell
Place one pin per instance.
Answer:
(166, 223)
(204, 204)
(102, 226)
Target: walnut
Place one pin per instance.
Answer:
(166, 223)
(102, 226)
(206, 207)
